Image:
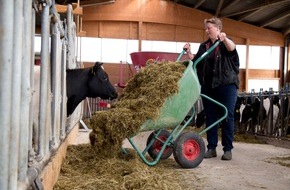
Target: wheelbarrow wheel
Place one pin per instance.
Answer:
(155, 148)
(189, 150)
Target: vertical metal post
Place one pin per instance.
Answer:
(54, 87)
(31, 153)
(71, 38)
(44, 79)
(281, 111)
(63, 90)
(58, 87)
(16, 94)
(53, 84)
(270, 113)
(260, 116)
(286, 60)
(26, 88)
(6, 51)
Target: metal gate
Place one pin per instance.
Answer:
(27, 145)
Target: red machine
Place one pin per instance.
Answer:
(140, 59)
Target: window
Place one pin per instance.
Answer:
(241, 49)
(265, 84)
(264, 57)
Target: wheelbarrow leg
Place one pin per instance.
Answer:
(219, 120)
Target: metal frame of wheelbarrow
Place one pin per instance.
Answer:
(189, 152)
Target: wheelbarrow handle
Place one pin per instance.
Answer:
(181, 54)
(205, 53)
(202, 56)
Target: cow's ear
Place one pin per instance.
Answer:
(99, 64)
(96, 67)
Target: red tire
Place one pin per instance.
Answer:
(189, 150)
(156, 147)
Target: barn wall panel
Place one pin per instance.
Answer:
(264, 73)
(111, 29)
(170, 13)
(242, 76)
(91, 28)
(159, 32)
(146, 11)
(189, 34)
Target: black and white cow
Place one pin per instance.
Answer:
(250, 113)
(89, 82)
(199, 120)
(239, 107)
(80, 83)
(276, 107)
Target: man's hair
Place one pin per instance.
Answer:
(216, 21)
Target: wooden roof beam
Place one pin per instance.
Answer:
(218, 10)
(230, 5)
(200, 2)
(276, 18)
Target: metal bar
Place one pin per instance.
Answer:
(270, 116)
(70, 53)
(63, 90)
(84, 125)
(53, 85)
(58, 23)
(205, 54)
(6, 49)
(281, 114)
(56, 82)
(89, 107)
(71, 35)
(31, 153)
(16, 94)
(44, 79)
(220, 119)
(58, 94)
(26, 102)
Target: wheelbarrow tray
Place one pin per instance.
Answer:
(188, 148)
(177, 106)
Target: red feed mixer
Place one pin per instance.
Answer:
(140, 59)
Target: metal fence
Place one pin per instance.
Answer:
(92, 105)
(27, 145)
(273, 124)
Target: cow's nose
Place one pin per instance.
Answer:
(115, 95)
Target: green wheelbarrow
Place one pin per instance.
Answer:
(188, 148)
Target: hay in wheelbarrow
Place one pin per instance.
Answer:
(141, 100)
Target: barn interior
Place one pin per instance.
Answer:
(248, 20)
(65, 26)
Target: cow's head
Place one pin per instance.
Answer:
(99, 83)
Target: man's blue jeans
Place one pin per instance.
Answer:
(227, 95)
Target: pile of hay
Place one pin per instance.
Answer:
(83, 169)
(141, 100)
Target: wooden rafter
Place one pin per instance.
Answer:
(200, 2)
(229, 6)
(276, 18)
(219, 8)
(286, 31)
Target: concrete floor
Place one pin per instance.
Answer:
(254, 166)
